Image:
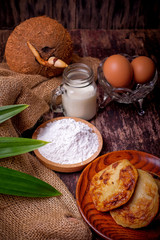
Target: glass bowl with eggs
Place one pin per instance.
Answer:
(127, 79)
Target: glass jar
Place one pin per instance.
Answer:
(78, 91)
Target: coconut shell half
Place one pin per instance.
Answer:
(47, 36)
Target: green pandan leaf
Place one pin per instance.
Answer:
(17, 183)
(9, 111)
(12, 146)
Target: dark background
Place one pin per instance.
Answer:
(82, 14)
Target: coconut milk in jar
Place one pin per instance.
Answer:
(79, 92)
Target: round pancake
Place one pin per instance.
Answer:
(142, 207)
(113, 186)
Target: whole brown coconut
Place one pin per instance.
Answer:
(48, 37)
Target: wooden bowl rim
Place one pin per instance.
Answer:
(89, 167)
(68, 167)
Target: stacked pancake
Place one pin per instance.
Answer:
(130, 194)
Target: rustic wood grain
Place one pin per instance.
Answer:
(120, 125)
(4, 34)
(91, 14)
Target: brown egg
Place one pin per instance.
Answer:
(118, 71)
(143, 69)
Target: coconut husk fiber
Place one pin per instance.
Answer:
(55, 218)
(47, 36)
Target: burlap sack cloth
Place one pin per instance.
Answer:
(55, 218)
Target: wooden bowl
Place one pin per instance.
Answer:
(102, 222)
(68, 167)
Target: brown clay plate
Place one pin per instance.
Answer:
(68, 167)
(102, 223)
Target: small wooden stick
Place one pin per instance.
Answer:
(52, 61)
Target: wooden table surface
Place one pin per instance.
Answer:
(120, 125)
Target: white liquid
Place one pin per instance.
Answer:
(80, 102)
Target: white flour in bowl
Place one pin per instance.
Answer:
(70, 141)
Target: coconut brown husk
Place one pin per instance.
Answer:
(47, 36)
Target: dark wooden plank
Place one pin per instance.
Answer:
(4, 34)
(91, 14)
(12, 12)
(101, 43)
(121, 126)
